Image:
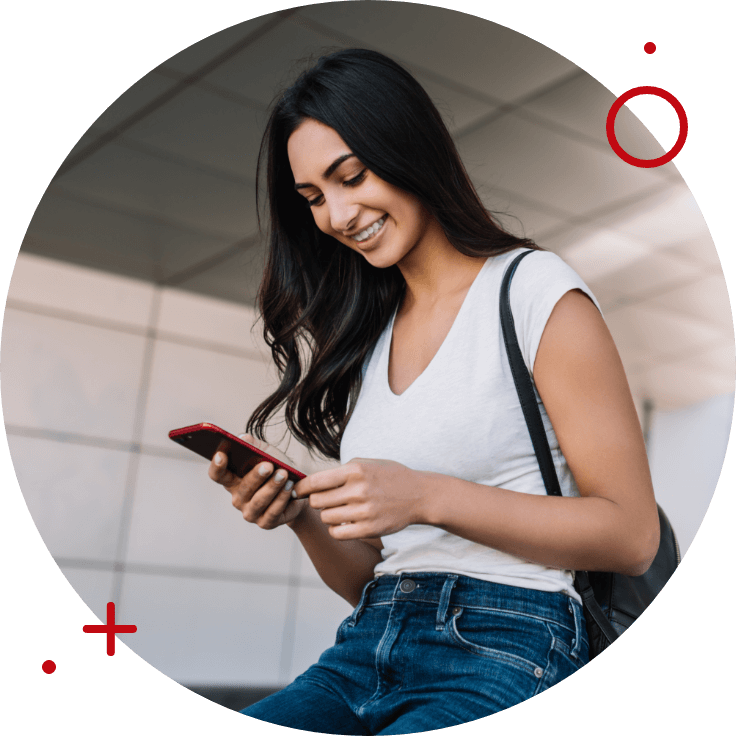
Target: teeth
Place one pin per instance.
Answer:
(369, 230)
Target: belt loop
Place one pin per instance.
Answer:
(580, 628)
(445, 601)
(361, 605)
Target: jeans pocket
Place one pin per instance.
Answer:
(518, 640)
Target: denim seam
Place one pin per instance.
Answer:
(512, 612)
(542, 683)
(499, 655)
(355, 616)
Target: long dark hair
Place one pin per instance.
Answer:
(323, 305)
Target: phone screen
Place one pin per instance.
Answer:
(206, 439)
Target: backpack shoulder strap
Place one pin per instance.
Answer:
(524, 386)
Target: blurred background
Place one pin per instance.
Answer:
(131, 312)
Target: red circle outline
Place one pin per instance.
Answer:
(646, 163)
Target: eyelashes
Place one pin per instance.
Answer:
(348, 183)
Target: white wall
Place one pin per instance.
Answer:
(96, 369)
(686, 452)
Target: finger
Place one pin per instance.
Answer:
(264, 496)
(274, 513)
(331, 499)
(251, 483)
(323, 481)
(337, 515)
(218, 470)
(347, 531)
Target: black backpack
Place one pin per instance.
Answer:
(611, 601)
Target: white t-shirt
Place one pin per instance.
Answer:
(461, 417)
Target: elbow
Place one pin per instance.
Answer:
(642, 551)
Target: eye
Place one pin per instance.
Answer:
(349, 183)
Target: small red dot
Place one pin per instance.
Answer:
(49, 666)
(649, 47)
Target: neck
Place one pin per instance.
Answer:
(434, 270)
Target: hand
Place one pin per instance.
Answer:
(262, 496)
(364, 499)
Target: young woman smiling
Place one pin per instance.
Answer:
(380, 305)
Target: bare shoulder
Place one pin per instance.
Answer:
(582, 383)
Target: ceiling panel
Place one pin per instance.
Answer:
(178, 192)
(707, 299)
(517, 215)
(670, 217)
(702, 250)
(260, 70)
(536, 162)
(471, 51)
(144, 91)
(658, 272)
(458, 110)
(582, 104)
(95, 234)
(602, 253)
(236, 279)
(205, 128)
(659, 333)
(198, 54)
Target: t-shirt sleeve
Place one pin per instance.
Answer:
(540, 281)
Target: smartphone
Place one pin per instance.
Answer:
(206, 439)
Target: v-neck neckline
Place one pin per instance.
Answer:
(386, 358)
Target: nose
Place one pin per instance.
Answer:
(343, 212)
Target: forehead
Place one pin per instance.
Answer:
(312, 147)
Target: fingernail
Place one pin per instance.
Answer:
(293, 494)
(218, 458)
(289, 485)
(264, 469)
(280, 476)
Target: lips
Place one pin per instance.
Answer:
(370, 230)
(368, 242)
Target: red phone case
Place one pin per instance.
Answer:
(205, 439)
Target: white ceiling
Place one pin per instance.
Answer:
(161, 187)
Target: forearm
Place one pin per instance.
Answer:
(591, 533)
(344, 565)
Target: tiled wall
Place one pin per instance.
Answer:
(96, 369)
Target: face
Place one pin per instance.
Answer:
(351, 203)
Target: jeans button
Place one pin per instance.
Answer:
(538, 672)
(456, 610)
(406, 586)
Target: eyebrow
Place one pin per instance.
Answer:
(329, 171)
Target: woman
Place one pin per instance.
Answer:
(380, 304)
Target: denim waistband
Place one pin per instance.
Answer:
(447, 589)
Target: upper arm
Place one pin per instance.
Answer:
(582, 383)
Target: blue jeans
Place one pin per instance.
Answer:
(424, 651)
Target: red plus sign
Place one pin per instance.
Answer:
(110, 629)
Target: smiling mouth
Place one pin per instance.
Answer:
(369, 232)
